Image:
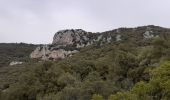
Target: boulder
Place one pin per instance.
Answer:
(15, 63)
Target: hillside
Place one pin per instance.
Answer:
(14, 52)
(10, 52)
(124, 64)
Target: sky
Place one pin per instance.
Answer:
(36, 21)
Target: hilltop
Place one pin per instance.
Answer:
(68, 42)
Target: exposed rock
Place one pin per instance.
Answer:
(61, 54)
(109, 39)
(67, 37)
(80, 45)
(99, 38)
(45, 53)
(148, 34)
(41, 52)
(15, 63)
(65, 43)
(118, 37)
(63, 37)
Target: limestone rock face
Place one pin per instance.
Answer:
(45, 53)
(65, 43)
(63, 38)
(41, 52)
(68, 37)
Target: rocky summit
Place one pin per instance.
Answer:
(68, 42)
(65, 43)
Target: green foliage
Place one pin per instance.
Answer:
(158, 88)
(143, 90)
(13, 52)
(97, 97)
(50, 96)
(123, 96)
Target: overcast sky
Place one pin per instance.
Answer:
(36, 21)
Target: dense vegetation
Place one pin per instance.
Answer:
(13, 52)
(124, 70)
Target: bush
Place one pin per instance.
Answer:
(97, 97)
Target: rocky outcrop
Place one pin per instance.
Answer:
(148, 35)
(68, 42)
(118, 37)
(65, 43)
(15, 63)
(41, 52)
(45, 53)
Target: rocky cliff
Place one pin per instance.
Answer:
(68, 42)
(65, 43)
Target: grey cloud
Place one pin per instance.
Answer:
(36, 21)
